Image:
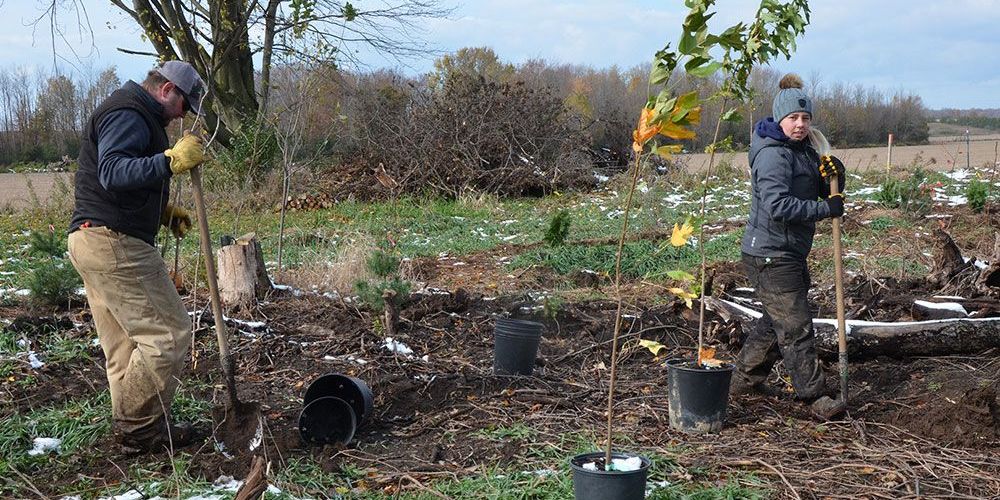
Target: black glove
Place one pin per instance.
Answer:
(836, 204)
(831, 165)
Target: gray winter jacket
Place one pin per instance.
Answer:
(785, 204)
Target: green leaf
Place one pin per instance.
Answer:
(687, 43)
(680, 275)
(687, 102)
(659, 75)
(732, 115)
(705, 71)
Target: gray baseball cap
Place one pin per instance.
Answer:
(184, 76)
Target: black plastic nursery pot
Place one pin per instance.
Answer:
(350, 389)
(698, 396)
(327, 420)
(515, 346)
(602, 484)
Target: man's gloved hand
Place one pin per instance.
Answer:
(836, 204)
(177, 219)
(186, 154)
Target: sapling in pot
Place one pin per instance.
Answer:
(742, 46)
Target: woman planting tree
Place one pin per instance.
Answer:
(790, 192)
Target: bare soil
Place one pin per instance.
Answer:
(924, 426)
(942, 154)
(20, 191)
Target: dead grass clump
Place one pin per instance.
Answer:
(325, 273)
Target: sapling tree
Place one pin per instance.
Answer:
(387, 290)
(742, 46)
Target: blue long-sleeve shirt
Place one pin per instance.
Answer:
(121, 138)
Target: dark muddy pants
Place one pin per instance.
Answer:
(785, 330)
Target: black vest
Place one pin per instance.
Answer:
(136, 212)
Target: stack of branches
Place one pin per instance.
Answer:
(504, 138)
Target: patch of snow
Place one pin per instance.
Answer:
(959, 175)
(44, 445)
(626, 464)
(864, 191)
(35, 362)
(948, 297)
(590, 466)
(397, 347)
(937, 216)
(948, 306)
(978, 263)
(601, 178)
(24, 292)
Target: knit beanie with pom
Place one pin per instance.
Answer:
(791, 98)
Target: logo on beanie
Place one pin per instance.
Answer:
(802, 103)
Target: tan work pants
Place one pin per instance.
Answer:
(142, 325)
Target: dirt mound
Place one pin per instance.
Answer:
(972, 421)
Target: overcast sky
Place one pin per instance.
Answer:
(947, 52)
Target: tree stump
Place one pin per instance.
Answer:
(243, 279)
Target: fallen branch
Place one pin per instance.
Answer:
(870, 339)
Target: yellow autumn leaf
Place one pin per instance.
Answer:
(706, 357)
(675, 131)
(653, 346)
(681, 234)
(694, 116)
(644, 130)
(683, 294)
(666, 152)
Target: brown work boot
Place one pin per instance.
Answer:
(738, 387)
(179, 436)
(826, 408)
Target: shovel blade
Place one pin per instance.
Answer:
(239, 426)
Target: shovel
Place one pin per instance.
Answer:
(838, 271)
(822, 146)
(240, 424)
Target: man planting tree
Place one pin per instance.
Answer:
(790, 192)
(121, 193)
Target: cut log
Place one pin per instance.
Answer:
(243, 278)
(922, 310)
(868, 339)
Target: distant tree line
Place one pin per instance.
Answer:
(42, 116)
(973, 120)
(473, 113)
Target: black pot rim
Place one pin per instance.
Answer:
(523, 323)
(675, 364)
(341, 405)
(365, 406)
(646, 463)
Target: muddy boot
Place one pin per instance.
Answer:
(180, 435)
(825, 408)
(740, 387)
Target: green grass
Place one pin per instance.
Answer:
(77, 423)
(640, 259)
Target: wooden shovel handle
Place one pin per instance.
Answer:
(213, 286)
(838, 271)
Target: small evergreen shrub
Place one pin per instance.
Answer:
(558, 229)
(47, 243)
(54, 282)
